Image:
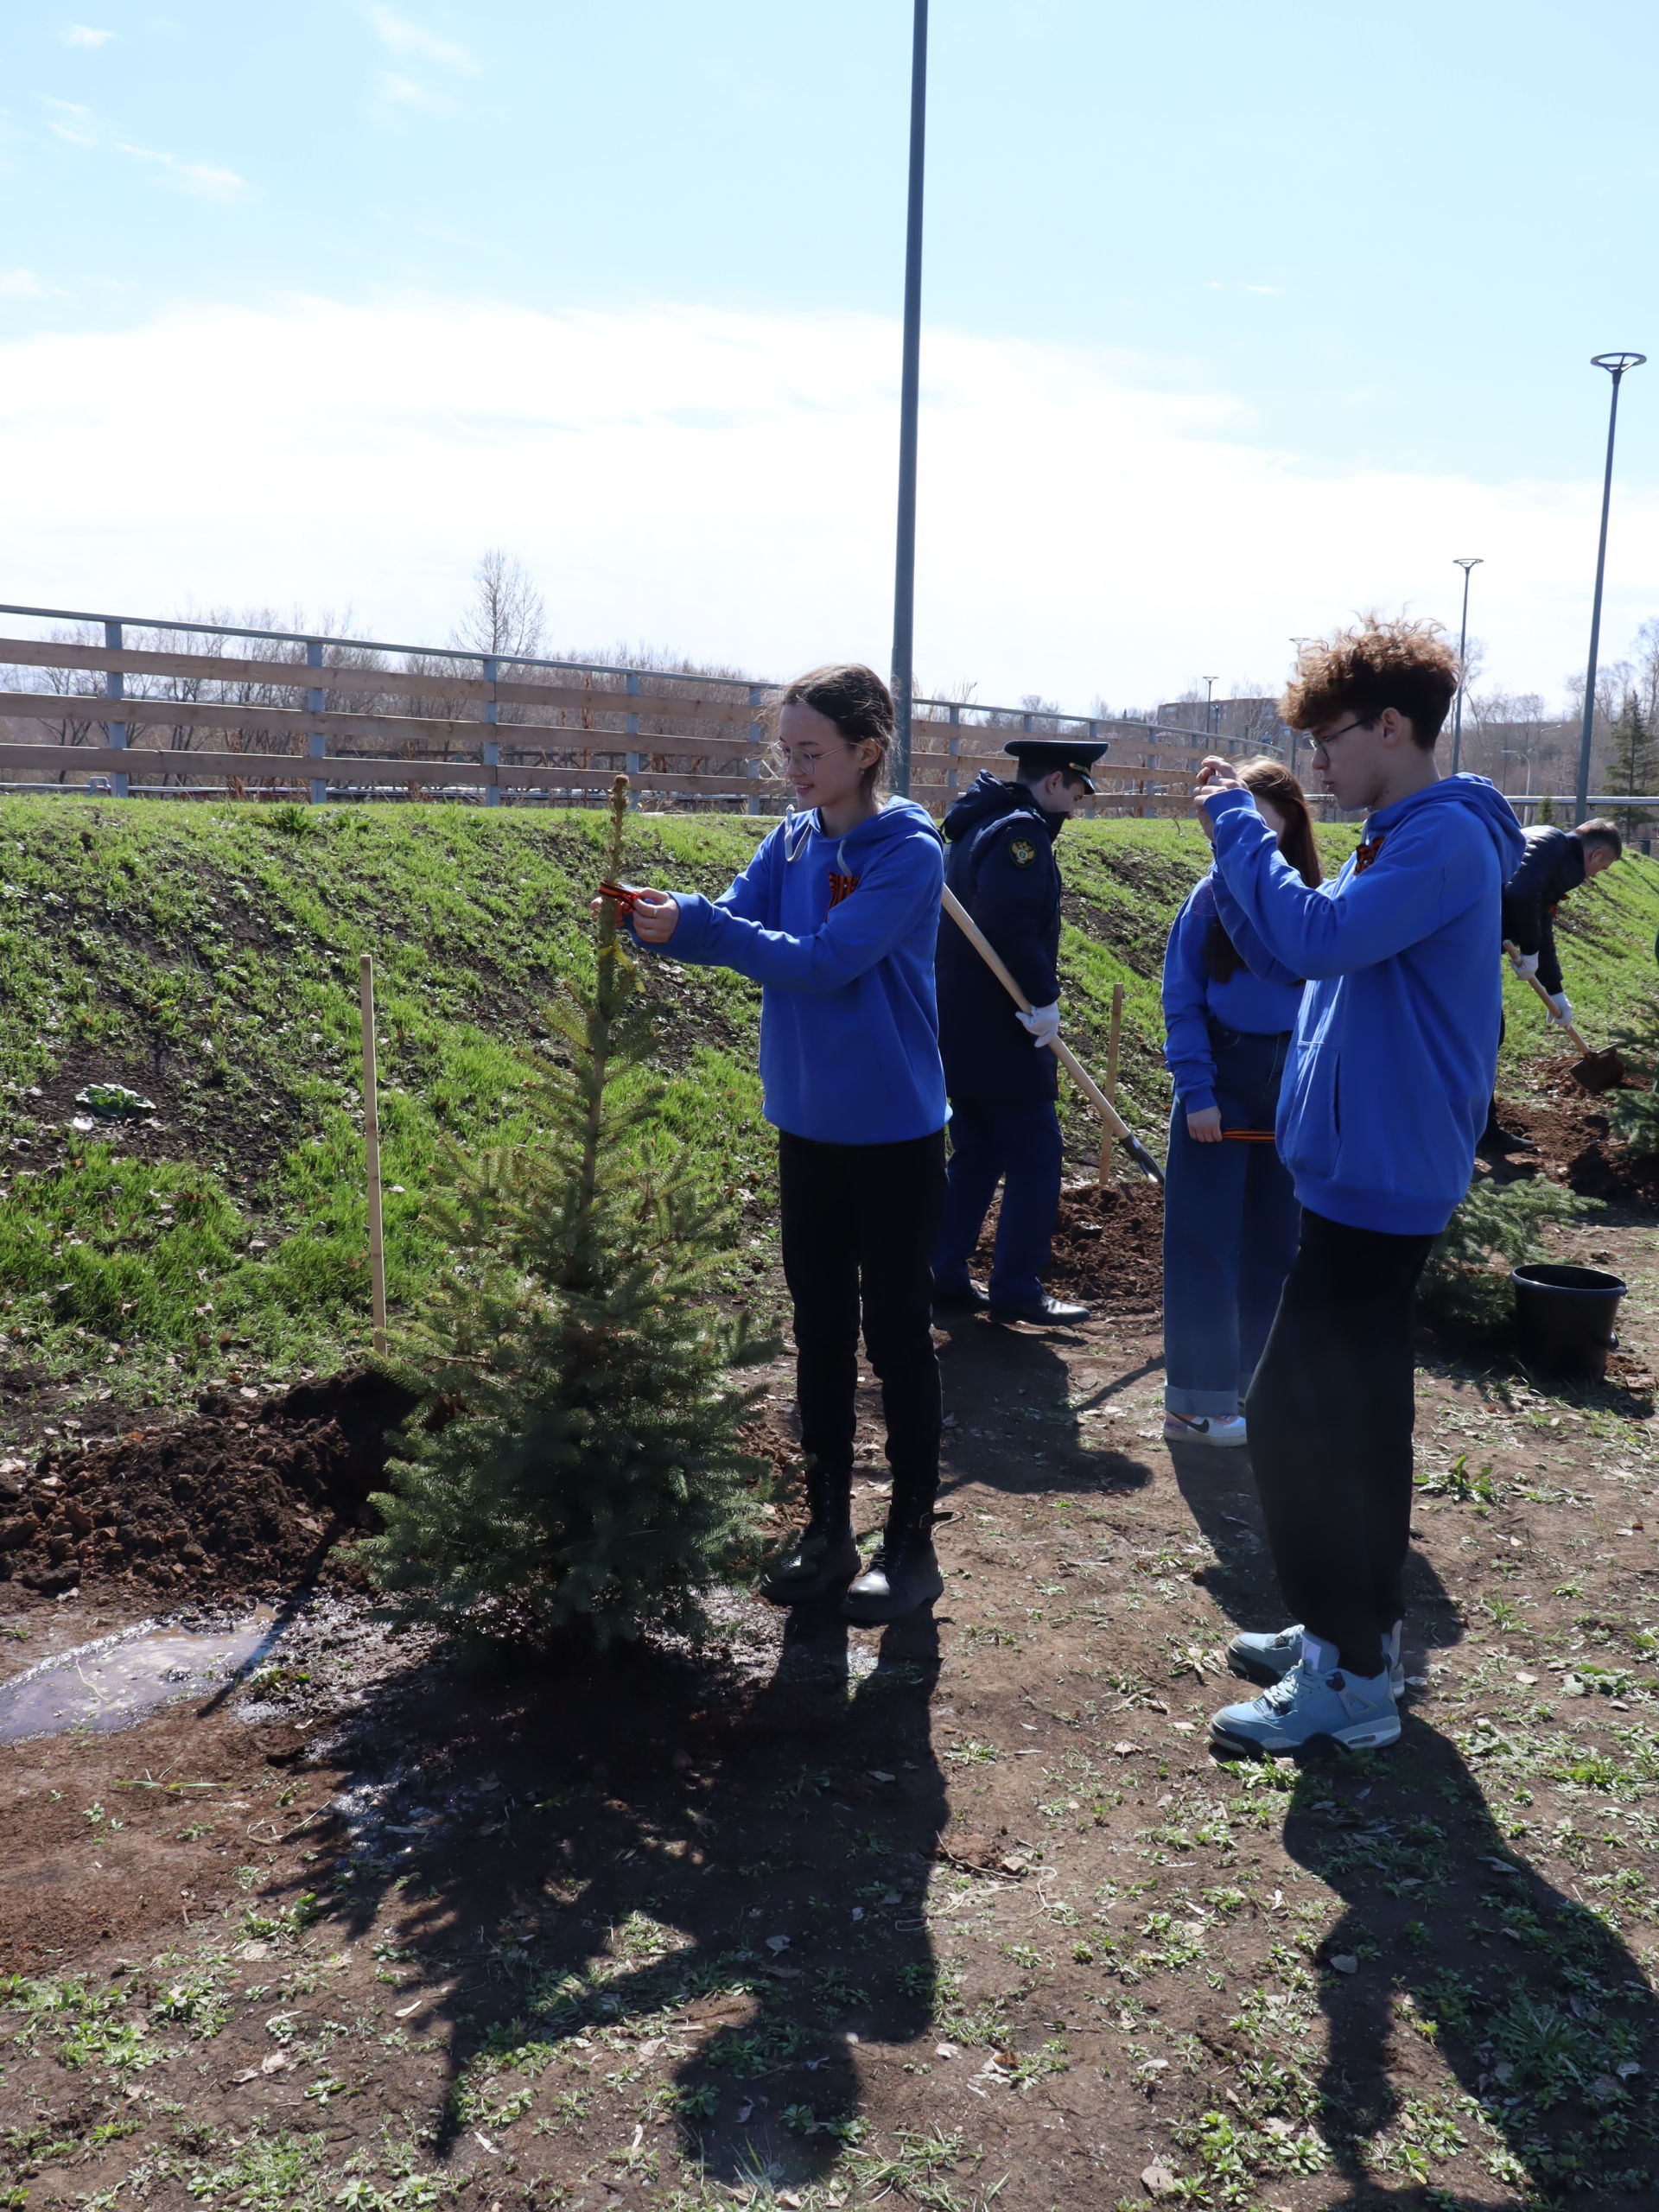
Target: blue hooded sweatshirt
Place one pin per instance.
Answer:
(840, 933)
(1260, 998)
(1390, 1071)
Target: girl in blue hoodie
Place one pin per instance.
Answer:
(837, 918)
(1230, 1213)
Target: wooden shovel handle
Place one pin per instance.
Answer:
(1514, 951)
(1067, 1059)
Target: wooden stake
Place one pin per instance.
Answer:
(1112, 1036)
(372, 1141)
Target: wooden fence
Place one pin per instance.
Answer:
(315, 718)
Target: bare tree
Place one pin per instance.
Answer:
(506, 618)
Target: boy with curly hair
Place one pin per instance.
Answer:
(1385, 1095)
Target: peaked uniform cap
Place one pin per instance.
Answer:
(1041, 756)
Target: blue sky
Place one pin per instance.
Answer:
(1239, 316)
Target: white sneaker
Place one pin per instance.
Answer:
(1268, 1655)
(1204, 1428)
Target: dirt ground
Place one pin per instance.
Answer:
(957, 1914)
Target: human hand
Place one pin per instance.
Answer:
(1525, 964)
(1560, 1009)
(1215, 774)
(1042, 1022)
(1205, 1125)
(656, 916)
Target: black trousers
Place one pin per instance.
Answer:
(859, 1226)
(1331, 1412)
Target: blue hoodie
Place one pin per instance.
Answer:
(840, 933)
(1390, 1072)
(1260, 998)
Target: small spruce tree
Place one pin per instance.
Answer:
(1632, 762)
(575, 1468)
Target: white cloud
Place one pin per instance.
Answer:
(82, 35)
(205, 180)
(69, 119)
(414, 42)
(20, 285)
(392, 91)
(723, 483)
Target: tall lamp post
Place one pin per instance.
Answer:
(904, 578)
(1615, 365)
(1466, 562)
(1209, 714)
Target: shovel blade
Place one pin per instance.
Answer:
(1598, 1072)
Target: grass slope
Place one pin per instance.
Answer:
(208, 956)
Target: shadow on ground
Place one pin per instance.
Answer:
(1016, 1413)
(1450, 1942)
(651, 1853)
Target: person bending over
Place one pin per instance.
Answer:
(1002, 1082)
(1230, 1212)
(1385, 1091)
(1556, 862)
(836, 917)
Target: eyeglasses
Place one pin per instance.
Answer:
(1324, 744)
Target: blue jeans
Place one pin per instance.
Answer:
(1019, 1146)
(1230, 1223)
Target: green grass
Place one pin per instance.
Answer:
(206, 955)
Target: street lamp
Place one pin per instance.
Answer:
(1209, 715)
(904, 579)
(1466, 562)
(1615, 365)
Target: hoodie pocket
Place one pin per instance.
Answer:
(1309, 1116)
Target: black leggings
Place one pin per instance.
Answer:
(1331, 1413)
(859, 1225)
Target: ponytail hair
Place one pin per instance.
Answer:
(1273, 781)
(856, 700)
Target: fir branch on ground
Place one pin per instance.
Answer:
(1466, 1283)
(575, 1466)
(1635, 1110)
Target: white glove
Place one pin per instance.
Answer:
(1561, 1008)
(1526, 964)
(1043, 1022)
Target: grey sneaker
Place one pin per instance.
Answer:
(818, 1560)
(1303, 1709)
(1268, 1655)
(902, 1577)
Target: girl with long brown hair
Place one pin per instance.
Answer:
(1230, 1215)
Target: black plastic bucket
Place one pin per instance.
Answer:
(1564, 1317)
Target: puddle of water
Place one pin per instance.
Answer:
(115, 1682)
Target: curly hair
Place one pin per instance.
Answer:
(1407, 665)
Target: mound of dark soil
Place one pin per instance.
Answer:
(1577, 1146)
(241, 1496)
(1107, 1247)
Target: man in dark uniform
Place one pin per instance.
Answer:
(1003, 1083)
(1554, 863)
